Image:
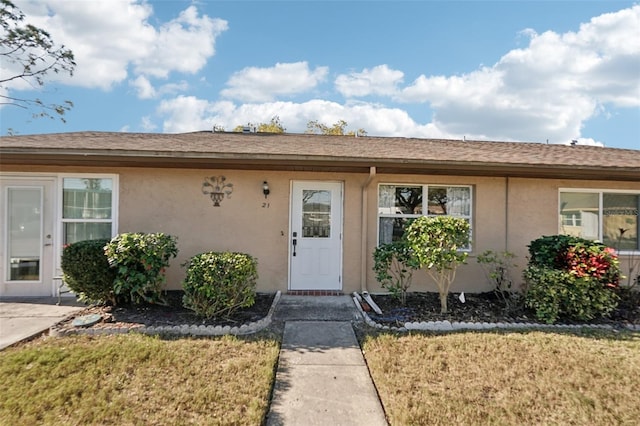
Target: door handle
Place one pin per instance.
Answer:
(295, 242)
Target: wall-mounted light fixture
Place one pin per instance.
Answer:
(265, 189)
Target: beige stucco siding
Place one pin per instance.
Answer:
(508, 213)
(488, 222)
(171, 201)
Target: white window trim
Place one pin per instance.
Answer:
(600, 192)
(59, 220)
(425, 188)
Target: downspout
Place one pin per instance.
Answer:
(364, 229)
(506, 215)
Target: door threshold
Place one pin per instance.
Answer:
(315, 293)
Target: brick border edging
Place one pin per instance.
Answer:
(185, 329)
(454, 326)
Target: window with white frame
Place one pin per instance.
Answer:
(398, 204)
(87, 208)
(608, 216)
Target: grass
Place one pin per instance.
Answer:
(136, 379)
(496, 378)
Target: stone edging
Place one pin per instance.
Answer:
(185, 329)
(454, 326)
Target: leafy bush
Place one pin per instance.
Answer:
(394, 266)
(571, 276)
(219, 283)
(553, 293)
(87, 272)
(497, 267)
(140, 260)
(436, 242)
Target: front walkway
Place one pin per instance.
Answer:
(23, 318)
(322, 378)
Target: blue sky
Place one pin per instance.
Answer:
(533, 71)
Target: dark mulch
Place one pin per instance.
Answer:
(173, 314)
(482, 307)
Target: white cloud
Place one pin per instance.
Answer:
(108, 38)
(545, 91)
(143, 87)
(189, 38)
(147, 124)
(187, 114)
(379, 80)
(254, 84)
(145, 90)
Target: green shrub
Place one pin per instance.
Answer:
(497, 267)
(219, 283)
(87, 272)
(571, 276)
(437, 243)
(393, 265)
(553, 293)
(140, 261)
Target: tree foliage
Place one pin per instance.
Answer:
(436, 242)
(394, 265)
(273, 126)
(338, 129)
(28, 53)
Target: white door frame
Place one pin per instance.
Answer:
(324, 270)
(44, 284)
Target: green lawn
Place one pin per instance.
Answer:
(136, 379)
(540, 378)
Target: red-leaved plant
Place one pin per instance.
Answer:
(592, 260)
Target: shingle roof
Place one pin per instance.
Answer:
(318, 152)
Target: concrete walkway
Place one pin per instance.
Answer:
(322, 378)
(21, 319)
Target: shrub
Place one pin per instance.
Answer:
(553, 293)
(436, 242)
(87, 272)
(140, 260)
(497, 267)
(394, 266)
(571, 276)
(219, 283)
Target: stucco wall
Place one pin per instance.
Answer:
(489, 230)
(171, 201)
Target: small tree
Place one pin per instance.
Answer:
(394, 266)
(29, 54)
(338, 129)
(274, 126)
(436, 242)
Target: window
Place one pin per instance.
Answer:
(398, 204)
(87, 208)
(601, 215)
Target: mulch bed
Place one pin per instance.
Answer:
(482, 307)
(173, 314)
(420, 307)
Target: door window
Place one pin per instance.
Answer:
(316, 214)
(24, 242)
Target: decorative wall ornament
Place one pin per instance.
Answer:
(216, 188)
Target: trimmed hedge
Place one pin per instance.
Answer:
(87, 271)
(219, 283)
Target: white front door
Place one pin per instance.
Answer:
(316, 236)
(26, 251)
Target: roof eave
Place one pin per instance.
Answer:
(297, 162)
